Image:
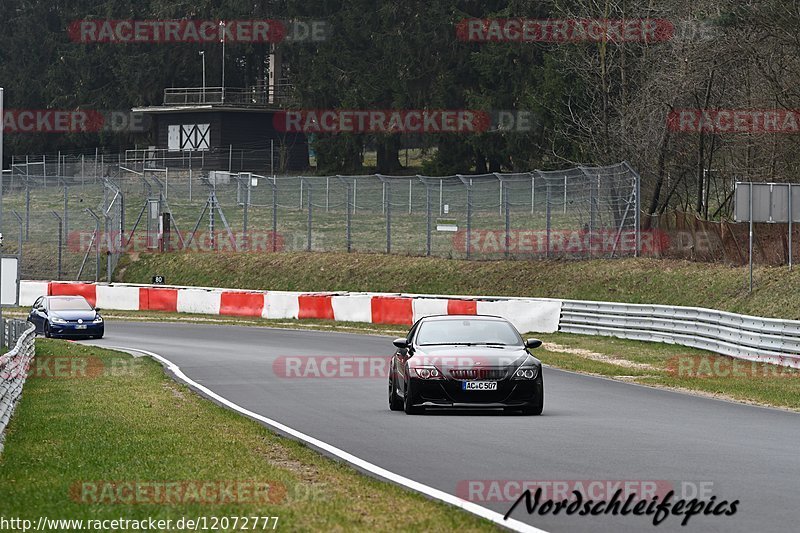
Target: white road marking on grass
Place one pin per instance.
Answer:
(431, 492)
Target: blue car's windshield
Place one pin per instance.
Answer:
(69, 304)
(468, 331)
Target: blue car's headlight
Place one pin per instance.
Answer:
(57, 320)
(98, 320)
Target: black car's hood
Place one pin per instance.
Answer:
(450, 357)
(73, 315)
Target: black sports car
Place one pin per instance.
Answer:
(465, 361)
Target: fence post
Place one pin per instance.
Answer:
(308, 243)
(19, 235)
(388, 204)
(638, 215)
(592, 215)
(469, 219)
(190, 176)
(274, 215)
(246, 204)
(428, 219)
(107, 225)
(508, 221)
(547, 221)
(349, 218)
(66, 212)
(790, 227)
(60, 244)
(27, 209)
(533, 192)
(750, 212)
(502, 195)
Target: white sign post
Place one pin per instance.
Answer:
(9, 281)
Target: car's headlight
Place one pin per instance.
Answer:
(526, 372)
(57, 320)
(428, 372)
(98, 320)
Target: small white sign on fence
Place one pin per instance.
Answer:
(9, 281)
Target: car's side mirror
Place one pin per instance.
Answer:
(400, 343)
(97, 309)
(532, 343)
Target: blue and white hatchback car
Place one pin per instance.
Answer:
(66, 316)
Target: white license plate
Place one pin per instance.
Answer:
(80, 326)
(478, 385)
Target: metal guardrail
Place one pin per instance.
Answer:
(752, 338)
(14, 366)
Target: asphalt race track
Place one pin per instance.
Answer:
(591, 429)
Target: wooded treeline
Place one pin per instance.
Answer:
(594, 102)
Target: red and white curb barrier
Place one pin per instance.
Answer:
(539, 315)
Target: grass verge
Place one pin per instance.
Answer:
(674, 367)
(106, 418)
(669, 282)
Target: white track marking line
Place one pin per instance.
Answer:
(431, 492)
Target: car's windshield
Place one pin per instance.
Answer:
(468, 331)
(69, 304)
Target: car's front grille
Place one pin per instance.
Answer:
(491, 374)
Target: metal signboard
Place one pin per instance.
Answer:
(770, 202)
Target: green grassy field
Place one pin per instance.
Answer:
(776, 293)
(326, 198)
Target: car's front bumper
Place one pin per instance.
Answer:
(448, 393)
(72, 329)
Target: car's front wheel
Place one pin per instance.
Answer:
(395, 402)
(408, 401)
(538, 405)
(47, 333)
